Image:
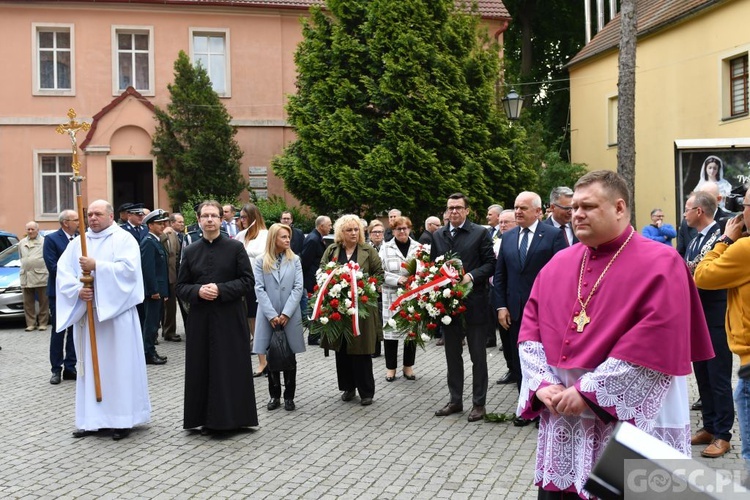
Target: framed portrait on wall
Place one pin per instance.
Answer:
(724, 161)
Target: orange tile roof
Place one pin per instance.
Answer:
(651, 16)
(488, 9)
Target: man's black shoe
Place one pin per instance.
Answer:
(521, 422)
(118, 434)
(79, 433)
(508, 378)
(289, 405)
(56, 379)
(347, 395)
(697, 406)
(161, 357)
(173, 338)
(69, 375)
(155, 360)
(313, 340)
(273, 404)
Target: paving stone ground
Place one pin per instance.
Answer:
(327, 448)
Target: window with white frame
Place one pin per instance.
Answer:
(210, 49)
(53, 57)
(56, 172)
(133, 59)
(738, 92)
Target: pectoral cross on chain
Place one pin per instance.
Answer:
(581, 320)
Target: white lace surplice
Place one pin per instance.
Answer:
(568, 447)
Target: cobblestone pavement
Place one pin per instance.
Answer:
(327, 448)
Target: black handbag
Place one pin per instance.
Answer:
(280, 356)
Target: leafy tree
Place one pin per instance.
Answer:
(555, 171)
(542, 38)
(194, 140)
(396, 108)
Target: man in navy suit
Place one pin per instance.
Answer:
(714, 376)
(526, 249)
(312, 251)
(155, 282)
(474, 247)
(298, 237)
(62, 354)
(135, 225)
(561, 203)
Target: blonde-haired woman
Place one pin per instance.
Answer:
(254, 238)
(278, 287)
(353, 358)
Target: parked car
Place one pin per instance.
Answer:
(11, 297)
(7, 239)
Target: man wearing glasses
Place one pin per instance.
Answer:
(561, 202)
(474, 248)
(214, 277)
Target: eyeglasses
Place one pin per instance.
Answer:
(71, 220)
(563, 207)
(376, 232)
(402, 229)
(243, 217)
(210, 216)
(744, 205)
(686, 211)
(455, 209)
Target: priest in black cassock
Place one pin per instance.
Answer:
(215, 275)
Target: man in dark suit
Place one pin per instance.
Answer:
(155, 282)
(171, 240)
(298, 237)
(312, 251)
(561, 203)
(686, 234)
(474, 247)
(714, 376)
(62, 354)
(524, 252)
(229, 222)
(431, 224)
(135, 225)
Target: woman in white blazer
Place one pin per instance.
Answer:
(393, 253)
(278, 288)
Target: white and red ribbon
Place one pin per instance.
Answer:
(447, 274)
(351, 269)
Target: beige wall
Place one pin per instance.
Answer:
(678, 83)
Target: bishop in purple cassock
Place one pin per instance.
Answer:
(609, 333)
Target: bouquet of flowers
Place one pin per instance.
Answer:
(432, 295)
(342, 296)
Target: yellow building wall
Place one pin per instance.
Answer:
(678, 96)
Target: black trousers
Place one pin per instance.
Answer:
(557, 495)
(150, 326)
(391, 353)
(714, 377)
(354, 371)
(476, 341)
(290, 384)
(514, 361)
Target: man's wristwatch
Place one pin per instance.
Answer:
(725, 239)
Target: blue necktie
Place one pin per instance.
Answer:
(695, 247)
(523, 249)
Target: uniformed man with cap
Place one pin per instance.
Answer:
(135, 225)
(155, 282)
(123, 213)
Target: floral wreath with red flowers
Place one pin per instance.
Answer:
(342, 295)
(432, 296)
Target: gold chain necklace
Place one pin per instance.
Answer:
(581, 319)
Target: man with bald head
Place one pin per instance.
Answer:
(33, 276)
(114, 260)
(526, 249)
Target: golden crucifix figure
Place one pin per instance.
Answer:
(71, 128)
